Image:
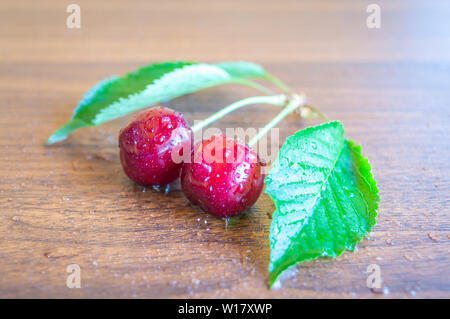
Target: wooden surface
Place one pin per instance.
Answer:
(72, 204)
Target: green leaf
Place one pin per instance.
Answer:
(241, 69)
(117, 96)
(325, 196)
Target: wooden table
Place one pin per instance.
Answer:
(72, 204)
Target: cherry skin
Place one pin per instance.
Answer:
(224, 176)
(146, 146)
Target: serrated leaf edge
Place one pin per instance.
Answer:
(372, 183)
(138, 99)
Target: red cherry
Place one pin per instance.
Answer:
(146, 146)
(224, 176)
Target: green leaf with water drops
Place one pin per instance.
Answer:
(158, 82)
(325, 196)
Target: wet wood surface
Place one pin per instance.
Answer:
(72, 204)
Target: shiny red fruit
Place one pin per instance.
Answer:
(146, 146)
(224, 176)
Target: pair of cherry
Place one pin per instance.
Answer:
(221, 175)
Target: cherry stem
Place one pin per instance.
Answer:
(294, 103)
(278, 100)
(254, 85)
(278, 83)
(315, 110)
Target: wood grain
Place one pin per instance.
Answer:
(71, 203)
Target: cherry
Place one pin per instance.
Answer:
(224, 176)
(146, 146)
